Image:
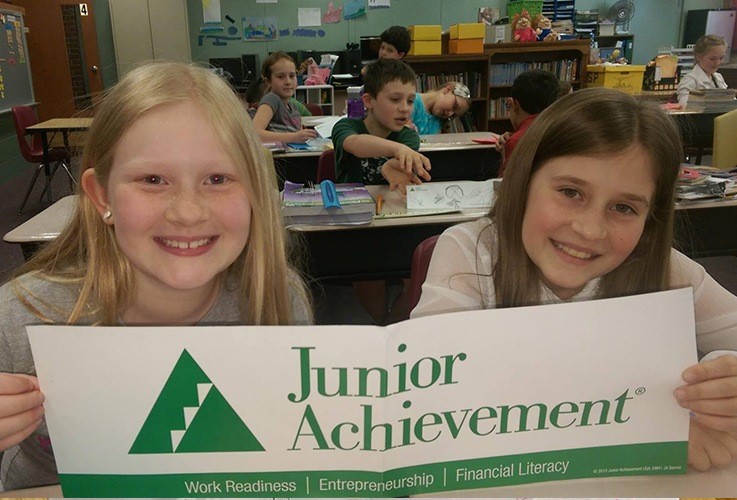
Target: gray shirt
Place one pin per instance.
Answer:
(31, 463)
(286, 117)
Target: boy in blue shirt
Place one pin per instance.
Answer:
(379, 148)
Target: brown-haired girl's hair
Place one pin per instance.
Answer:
(87, 254)
(270, 60)
(591, 122)
(706, 42)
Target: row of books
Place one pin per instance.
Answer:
(504, 74)
(464, 123)
(471, 79)
(498, 108)
(712, 100)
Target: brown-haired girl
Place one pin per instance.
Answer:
(586, 211)
(277, 119)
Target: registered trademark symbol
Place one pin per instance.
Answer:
(640, 391)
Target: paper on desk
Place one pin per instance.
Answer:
(325, 127)
(451, 194)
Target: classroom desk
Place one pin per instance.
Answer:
(453, 157)
(717, 483)
(63, 125)
(381, 249)
(384, 247)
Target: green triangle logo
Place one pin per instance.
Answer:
(192, 416)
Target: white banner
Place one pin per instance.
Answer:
(449, 402)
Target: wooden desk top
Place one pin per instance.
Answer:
(428, 143)
(56, 124)
(396, 202)
(46, 225)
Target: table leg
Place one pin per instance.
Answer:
(47, 166)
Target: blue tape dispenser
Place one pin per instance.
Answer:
(329, 194)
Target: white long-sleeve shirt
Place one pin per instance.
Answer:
(459, 279)
(698, 79)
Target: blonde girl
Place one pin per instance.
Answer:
(709, 52)
(177, 222)
(277, 119)
(432, 109)
(586, 211)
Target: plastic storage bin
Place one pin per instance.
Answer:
(534, 7)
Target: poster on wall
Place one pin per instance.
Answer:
(354, 8)
(211, 11)
(259, 29)
(332, 14)
(488, 15)
(308, 17)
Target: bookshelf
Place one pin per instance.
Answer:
(469, 69)
(565, 58)
(321, 95)
(489, 76)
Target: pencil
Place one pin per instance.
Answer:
(379, 203)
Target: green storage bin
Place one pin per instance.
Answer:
(534, 7)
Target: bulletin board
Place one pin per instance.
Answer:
(16, 87)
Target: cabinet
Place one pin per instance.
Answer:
(567, 59)
(145, 30)
(470, 69)
(321, 95)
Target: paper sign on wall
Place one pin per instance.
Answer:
(449, 402)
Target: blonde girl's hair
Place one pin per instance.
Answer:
(595, 122)
(706, 42)
(86, 253)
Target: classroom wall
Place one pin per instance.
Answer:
(655, 23)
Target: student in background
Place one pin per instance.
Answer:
(256, 91)
(277, 118)
(709, 52)
(532, 91)
(379, 149)
(177, 222)
(395, 44)
(432, 109)
(586, 212)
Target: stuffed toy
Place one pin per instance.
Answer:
(543, 29)
(523, 31)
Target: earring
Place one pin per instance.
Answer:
(107, 215)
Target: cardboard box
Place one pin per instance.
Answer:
(466, 46)
(467, 30)
(425, 48)
(627, 78)
(606, 29)
(425, 32)
(499, 33)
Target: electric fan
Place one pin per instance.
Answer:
(622, 13)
